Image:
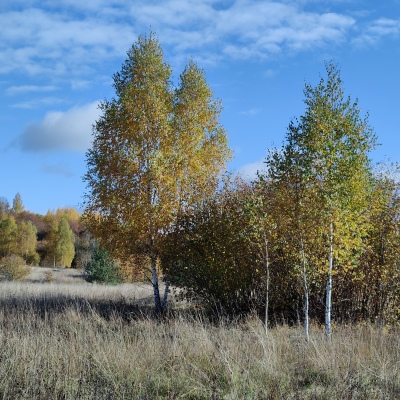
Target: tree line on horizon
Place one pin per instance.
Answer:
(56, 239)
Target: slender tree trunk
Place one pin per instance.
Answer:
(156, 290)
(328, 303)
(267, 284)
(165, 298)
(306, 300)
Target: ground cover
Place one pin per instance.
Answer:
(78, 341)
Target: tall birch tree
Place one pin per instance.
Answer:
(334, 142)
(156, 151)
(326, 168)
(17, 207)
(65, 249)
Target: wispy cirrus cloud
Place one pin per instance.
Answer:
(251, 112)
(38, 102)
(22, 89)
(378, 29)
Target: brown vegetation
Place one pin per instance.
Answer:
(95, 342)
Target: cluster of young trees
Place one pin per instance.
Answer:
(17, 235)
(55, 239)
(315, 235)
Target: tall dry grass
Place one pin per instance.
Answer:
(61, 342)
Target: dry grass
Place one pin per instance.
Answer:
(91, 342)
(58, 274)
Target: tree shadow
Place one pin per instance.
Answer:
(56, 304)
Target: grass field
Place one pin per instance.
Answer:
(78, 341)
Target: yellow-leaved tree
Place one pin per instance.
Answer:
(328, 148)
(157, 151)
(65, 250)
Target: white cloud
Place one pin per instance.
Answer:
(251, 112)
(80, 84)
(249, 171)
(377, 30)
(43, 41)
(386, 26)
(34, 103)
(72, 38)
(15, 90)
(69, 130)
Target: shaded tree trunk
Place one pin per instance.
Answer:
(157, 300)
(165, 298)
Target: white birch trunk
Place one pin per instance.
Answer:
(267, 284)
(328, 302)
(156, 290)
(305, 285)
(165, 298)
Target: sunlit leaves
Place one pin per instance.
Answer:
(157, 151)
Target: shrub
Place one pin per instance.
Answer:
(48, 277)
(102, 268)
(212, 260)
(13, 268)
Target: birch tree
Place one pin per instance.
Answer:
(156, 151)
(65, 249)
(27, 240)
(294, 209)
(333, 142)
(259, 205)
(8, 236)
(17, 207)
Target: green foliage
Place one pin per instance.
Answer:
(13, 268)
(326, 172)
(65, 249)
(314, 217)
(211, 257)
(27, 239)
(41, 239)
(17, 207)
(102, 268)
(8, 236)
(4, 206)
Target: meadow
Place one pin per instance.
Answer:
(87, 341)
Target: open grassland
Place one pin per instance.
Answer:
(95, 342)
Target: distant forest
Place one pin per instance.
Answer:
(54, 239)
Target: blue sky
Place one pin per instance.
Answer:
(57, 59)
